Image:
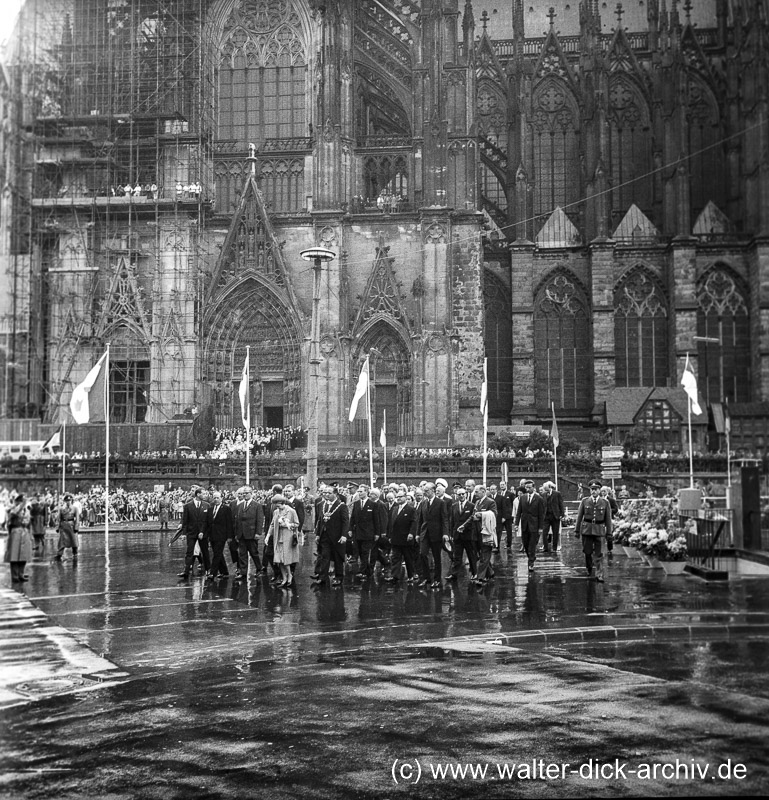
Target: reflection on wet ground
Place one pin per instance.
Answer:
(127, 604)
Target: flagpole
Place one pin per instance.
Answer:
(384, 446)
(63, 456)
(689, 416)
(485, 420)
(368, 409)
(248, 416)
(106, 462)
(555, 448)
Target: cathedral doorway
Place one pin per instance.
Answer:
(252, 317)
(390, 376)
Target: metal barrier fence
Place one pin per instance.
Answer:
(712, 530)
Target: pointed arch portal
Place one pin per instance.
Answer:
(253, 315)
(391, 373)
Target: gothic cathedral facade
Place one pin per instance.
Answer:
(578, 195)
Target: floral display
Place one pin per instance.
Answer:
(653, 528)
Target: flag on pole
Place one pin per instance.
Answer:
(383, 432)
(727, 418)
(360, 392)
(485, 390)
(79, 404)
(554, 429)
(244, 394)
(54, 440)
(689, 382)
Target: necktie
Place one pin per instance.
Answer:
(216, 508)
(328, 507)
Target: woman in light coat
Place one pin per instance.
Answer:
(19, 548)
(284, 532)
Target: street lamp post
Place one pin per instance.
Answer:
(317, 255)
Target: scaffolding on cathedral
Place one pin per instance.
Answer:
(111, 161)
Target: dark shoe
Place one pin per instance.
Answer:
(336, 582)
(436, 585)
(424, 583)
(184, 575)
(57, 558)
(26, 578)
(451, 577)
(390, 580)
(531, 568)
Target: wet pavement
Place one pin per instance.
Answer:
(315, 692)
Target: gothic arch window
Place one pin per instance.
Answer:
(722, 313)
(390, 386)
(630, 155)
(263, 74)
(499, 345)
(490, 114)
(562, 352)
(640, 330)
(706, 165)
(554, 142)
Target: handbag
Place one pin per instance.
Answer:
(294, 540)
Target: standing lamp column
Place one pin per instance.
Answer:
(317, 255)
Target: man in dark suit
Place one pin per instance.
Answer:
(432, 527)
(400, 531)
(194, 528)
(220, 529)
(462, 535)
(504, 501)
(531, 517)
(364, 527)
(554, 510)
(381, 549)
(294, 502)
(249, 524)
(333, 519)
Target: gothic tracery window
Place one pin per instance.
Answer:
(722, 314)
(630, 156)
(554, 140)
(706, 164)
(640, 331)
(262, 74)
(562, 352)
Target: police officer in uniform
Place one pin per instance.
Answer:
(593, 525)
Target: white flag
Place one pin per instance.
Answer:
(53, 441)
(383, 433)
(689, 382)
(484, 391)
(360, 390)
(78, 404)
(244, 393)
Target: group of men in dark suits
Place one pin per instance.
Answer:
(240, 523)
(394, 530)
(400, 532)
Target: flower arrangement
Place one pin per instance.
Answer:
(623, 530)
